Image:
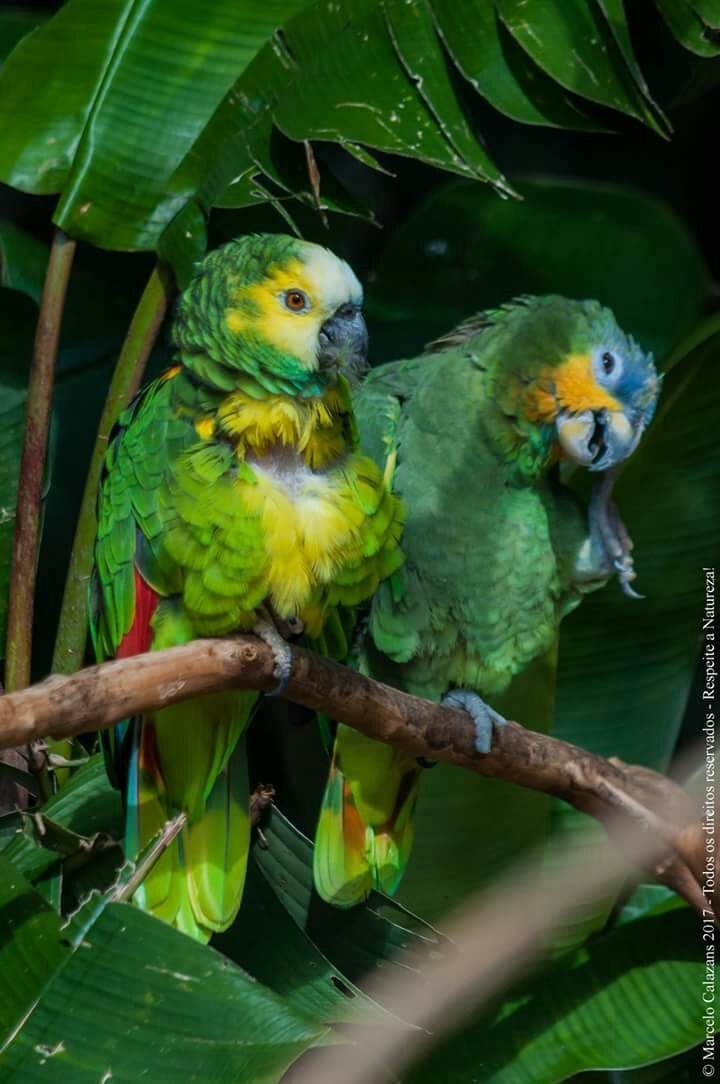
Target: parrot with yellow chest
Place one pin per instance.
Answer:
(234, 498)
(498, 550)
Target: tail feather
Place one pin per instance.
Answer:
(216, 847)
(191, 757)
(365, 830)
(147, 812)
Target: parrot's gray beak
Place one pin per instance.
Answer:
(598, 439)
(343, 342)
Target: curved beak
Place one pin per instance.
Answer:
(598, 439)
(343, 342)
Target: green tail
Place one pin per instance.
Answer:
(191, 757)
(365, 830)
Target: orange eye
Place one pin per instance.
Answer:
(296, 300)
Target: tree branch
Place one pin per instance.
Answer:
(98, 696)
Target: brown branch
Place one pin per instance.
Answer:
(100, 695)
(32, 464)
(260, 800)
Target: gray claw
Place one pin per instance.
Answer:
(610, 540)
(483, 716)
(295, 626)
(628, 590)
(264, 627)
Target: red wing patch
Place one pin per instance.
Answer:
(353, 827)
(139, 636)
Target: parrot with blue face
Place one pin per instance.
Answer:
(234, 498)
(470, 436)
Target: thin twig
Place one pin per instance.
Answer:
(260, 800)
(314, 178)
(32, 464)
(157, 847)
(129, 371)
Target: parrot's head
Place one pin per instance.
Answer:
(282, 310)
(572, 371)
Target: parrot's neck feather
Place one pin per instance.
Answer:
(255, 380)
(314, 430)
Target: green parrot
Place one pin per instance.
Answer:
(498, 551)
(233, 498)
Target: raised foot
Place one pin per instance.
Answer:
(611, 544)
(483, 716)
(267, 631)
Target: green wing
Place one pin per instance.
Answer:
(134, 512)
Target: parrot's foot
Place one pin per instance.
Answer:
(610, 542)
(266, 629)
(483, 716)
(295, 626)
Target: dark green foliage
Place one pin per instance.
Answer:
(141, 118)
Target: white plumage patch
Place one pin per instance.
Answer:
(332, 281)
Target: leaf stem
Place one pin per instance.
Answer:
(32, 464)
(129, 371)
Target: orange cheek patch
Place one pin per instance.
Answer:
(571, 386)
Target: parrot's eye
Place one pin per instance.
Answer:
(296, 300)
(609, 363)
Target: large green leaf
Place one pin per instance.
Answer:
(416, 42)
(500, 69)
(286, 960)
(84, 806)
(9, 825)
(23, 260)
(147, 105)
(574, 43)
(379, 934)
(685, 19)
(307, 82)
(462, 251)
(15, 23)
(118, 995)
(629, 997)
(709, 12)
(127, 87)
(346, 73)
